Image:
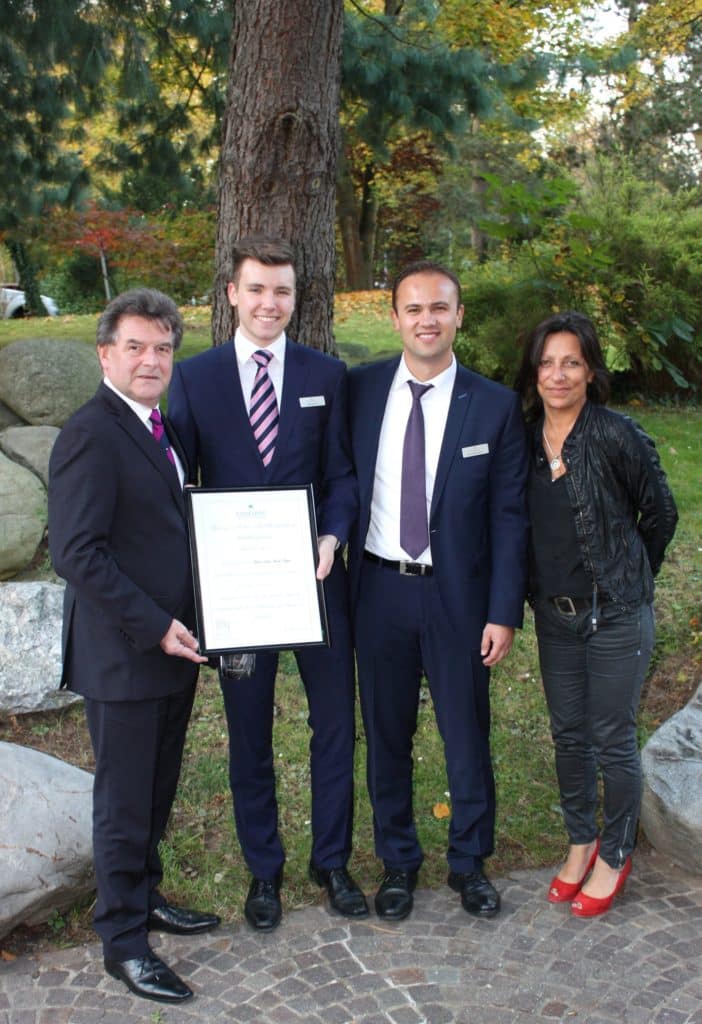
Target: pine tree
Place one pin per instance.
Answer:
(279, 150)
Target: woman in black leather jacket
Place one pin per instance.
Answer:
(601, 515)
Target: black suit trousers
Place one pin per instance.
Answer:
(138, 748)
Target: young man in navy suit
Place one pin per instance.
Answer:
(438, 566)
(262, 410)
(118, 536)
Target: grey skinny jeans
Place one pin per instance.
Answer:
(592, 682)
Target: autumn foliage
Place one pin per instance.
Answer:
(171, 251)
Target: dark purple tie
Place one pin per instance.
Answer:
(414, 529)
(263, 409)
(159, 433)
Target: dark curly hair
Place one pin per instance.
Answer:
(584, 330)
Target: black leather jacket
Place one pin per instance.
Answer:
(624, 512)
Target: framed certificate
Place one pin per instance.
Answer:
(254, 555)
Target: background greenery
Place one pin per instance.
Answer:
(550, 153)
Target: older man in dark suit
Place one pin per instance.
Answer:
(117, 534)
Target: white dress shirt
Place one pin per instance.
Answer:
(383, 537)
(143, 412)
(248, 365)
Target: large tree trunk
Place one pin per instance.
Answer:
(358, 220)
(478, 188)
(279, 151)
(26, 277)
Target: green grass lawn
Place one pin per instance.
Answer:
(362, 327)
(203, 863)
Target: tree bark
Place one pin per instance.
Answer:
(358, 220)
(279, 151)
(478, 187)
(26, 277)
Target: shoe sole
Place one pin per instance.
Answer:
(173, 1000)
(197, 930)
(483, 913)
(353, 916)
(262, 927)
(393, 917)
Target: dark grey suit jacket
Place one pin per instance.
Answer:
(118, 536)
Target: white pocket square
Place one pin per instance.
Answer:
(475, 449)
(307, 401)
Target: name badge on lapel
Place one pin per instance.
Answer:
(475, 449)
(307, 401)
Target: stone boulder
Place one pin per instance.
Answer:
(23, 516)
(671, 809)
(30, 648)
(44, 380)
(45, 836)
(8, 418)
(30, 447)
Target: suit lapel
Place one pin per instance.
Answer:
(139, 434)
(371, 416)
(458, 408)
(175, 445)
(295, 373)
(231, 399)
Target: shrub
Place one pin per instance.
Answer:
(625, 252)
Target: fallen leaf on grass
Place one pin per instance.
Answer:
(441, 811)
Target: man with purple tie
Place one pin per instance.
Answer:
(262, 410)
(437, 563)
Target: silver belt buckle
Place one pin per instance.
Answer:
(565, 606)
(413, 569)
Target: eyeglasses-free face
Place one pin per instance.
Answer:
(563, 375)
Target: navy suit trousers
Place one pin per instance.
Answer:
(328, 678)
(402, 631)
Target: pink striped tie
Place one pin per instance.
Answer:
(263, 410)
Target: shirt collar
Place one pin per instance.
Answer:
(245, 348)
(442, 380)
(142, 411)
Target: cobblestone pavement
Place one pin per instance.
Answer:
(639, 964)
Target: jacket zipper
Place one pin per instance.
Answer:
(594, 612)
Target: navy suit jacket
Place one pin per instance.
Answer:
(207, 410)
(478, 524)
(118, 536)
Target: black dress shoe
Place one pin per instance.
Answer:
(150, 978)
(179, 921)
(344, 895)
(393, 900)
(262, 909)
(478, 895)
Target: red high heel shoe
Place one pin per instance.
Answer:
(590, 906)
(561, 892)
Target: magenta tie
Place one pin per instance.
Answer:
(159, 433)
(263, 409)
(414, 529)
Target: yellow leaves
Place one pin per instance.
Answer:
(441, 810)
(375, 303)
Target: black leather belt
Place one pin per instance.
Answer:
(571, 605)
(404, 568)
